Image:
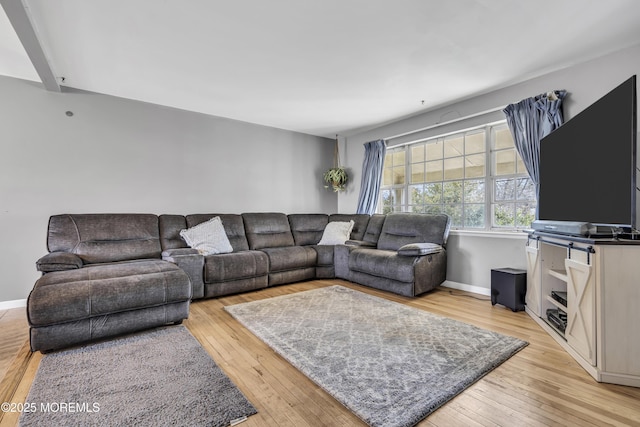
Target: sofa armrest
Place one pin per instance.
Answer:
(58, 261)
(192, 262)
(360, 243)
(419, 249)
(430, 271)
(178, 252)
(341, 260)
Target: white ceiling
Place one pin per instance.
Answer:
(321, 67)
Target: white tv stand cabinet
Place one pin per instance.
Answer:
(602, 280)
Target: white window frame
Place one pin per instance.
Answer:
(489, 178)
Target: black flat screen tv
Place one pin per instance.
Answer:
(589, 165)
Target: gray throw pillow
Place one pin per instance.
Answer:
(418, 249)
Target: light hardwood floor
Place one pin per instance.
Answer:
(539, 386)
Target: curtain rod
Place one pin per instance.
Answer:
(470, 116)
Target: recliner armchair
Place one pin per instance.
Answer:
(409, 256)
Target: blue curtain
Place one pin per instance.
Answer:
(372, 164)
(529, 121)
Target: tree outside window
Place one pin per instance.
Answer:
(476, 177)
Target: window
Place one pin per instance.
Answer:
(393, 180)
(475, 176)
(514, 195)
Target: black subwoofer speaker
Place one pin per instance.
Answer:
(508, 287)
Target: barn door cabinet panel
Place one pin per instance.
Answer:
(586, 294)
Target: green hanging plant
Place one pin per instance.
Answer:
(337, 176)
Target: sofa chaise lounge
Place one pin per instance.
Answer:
(109, 274)
(103, 276)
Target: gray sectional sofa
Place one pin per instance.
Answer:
(109, 274)
(268, 249)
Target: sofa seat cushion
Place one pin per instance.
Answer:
(234, 266)
(291, 257)
(101, 289)
(382, 263)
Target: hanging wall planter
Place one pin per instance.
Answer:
(337, 176)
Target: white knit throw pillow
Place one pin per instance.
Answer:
(336, 233)
(208, 237)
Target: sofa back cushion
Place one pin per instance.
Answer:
(400, 229)
(267, 230)
(307, 229)
(100, 238)
(170, 226)
(233, 226)
(374, 228)
(360, 222)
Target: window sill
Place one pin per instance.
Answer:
(497, 234)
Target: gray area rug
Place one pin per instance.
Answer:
(157, 378)
(390, 364)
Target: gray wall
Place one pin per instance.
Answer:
(471, 255)
(118, 155)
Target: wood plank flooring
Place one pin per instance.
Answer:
(539, 386)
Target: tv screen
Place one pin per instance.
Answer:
(588, 165)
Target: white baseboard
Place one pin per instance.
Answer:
(469, 288)
(6, 305)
